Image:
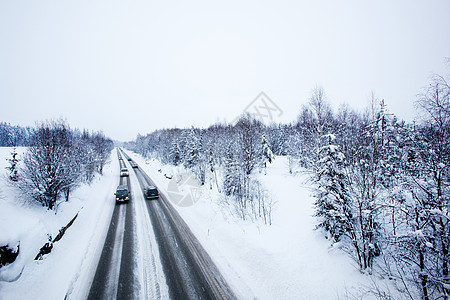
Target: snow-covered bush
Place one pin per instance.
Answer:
(8, 254)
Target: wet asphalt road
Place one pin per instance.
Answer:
(188, 269)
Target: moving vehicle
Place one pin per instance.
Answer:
(122, 194)
(124, 172)
(151, 192)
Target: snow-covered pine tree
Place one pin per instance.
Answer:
(175, 157)
(333, 201)
(194, 156)
(13, 161)
(192, 149)
(267, 154)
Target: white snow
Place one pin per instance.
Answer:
(288, 260)
(70, 267)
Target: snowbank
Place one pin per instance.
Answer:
(72, 262)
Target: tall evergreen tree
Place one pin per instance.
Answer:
(333, 204)
(12, 168)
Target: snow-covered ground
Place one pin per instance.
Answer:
(70, 266)
(288, 260)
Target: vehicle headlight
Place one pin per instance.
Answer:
(117, 199)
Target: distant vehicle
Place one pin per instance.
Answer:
(129, 159)
(122, 194)
(124, 172)
(151, 192)
(134, 165)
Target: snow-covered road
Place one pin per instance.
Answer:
(107, 275)
(127, 268)
(189, 272)
(114, 277)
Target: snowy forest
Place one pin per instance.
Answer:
(13, 136)
(56, 160)
(382, 184)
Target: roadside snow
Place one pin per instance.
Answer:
(288, 260)
(71, 265)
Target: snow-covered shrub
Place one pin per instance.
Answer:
(8, 254)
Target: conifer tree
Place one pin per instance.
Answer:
(333, 200)
(13, 161)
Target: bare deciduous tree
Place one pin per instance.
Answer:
(57, 160)
(46, 170)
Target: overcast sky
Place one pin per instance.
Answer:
(129, 67)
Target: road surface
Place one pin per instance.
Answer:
(144, 234)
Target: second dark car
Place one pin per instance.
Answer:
(122, 194)
(151, 192)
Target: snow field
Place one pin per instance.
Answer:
(288, 260)
(70, 267)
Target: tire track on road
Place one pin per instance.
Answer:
(190, 272)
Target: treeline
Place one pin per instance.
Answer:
(14, 136)
(57, 160)
(224, 156)
(383, 188)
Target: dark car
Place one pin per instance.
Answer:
(151, 192)
(122, 194)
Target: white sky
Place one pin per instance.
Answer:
(129, 67)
